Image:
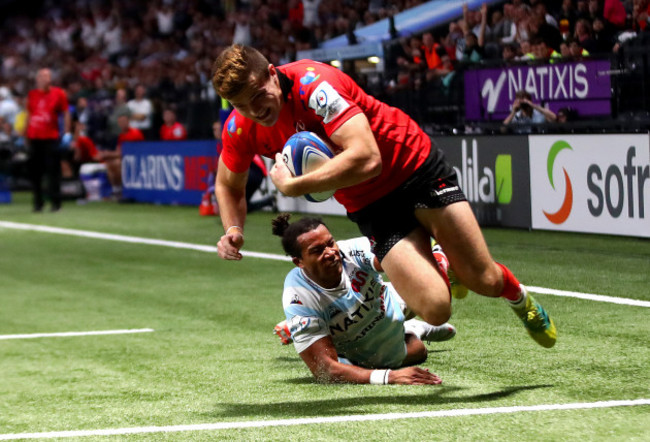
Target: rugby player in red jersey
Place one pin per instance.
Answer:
(392, 181)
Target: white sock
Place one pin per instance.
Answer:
(522, 299)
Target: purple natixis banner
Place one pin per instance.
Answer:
(584, 86)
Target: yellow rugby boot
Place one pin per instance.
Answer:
(538, 323)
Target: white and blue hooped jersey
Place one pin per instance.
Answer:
(362, 315)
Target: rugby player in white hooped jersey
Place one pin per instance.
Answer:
(346, 323)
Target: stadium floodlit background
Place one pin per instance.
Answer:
(119, 322)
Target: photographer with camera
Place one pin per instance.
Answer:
(525, 113)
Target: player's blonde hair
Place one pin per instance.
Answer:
(235, 68)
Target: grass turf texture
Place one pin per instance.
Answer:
(213, 357)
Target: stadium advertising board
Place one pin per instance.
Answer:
(591, 183)
(585, 86)
(167, 172)
(493, 173)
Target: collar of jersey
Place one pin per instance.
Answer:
(285, 85)
(319, 287)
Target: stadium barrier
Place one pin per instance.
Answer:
(591, 183)
(572, 183)
(167, 172)
(564, 182)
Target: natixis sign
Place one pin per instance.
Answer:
(585, 86)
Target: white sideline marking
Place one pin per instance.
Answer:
(131, 239)
(66, 334)
(212, 249)
(600, 298)
(324, 420)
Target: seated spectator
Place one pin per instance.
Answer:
(565, 52)
(473, 49)
(584, 34)
(544, 26)
(567, 18)
(566, 114)
(6, 134)
(525, 113)
(171, 129)
(614, 13)
(431, 52)
(438, 61)
(141, 111)
(582, 10)
(509, 53)
(641, 15)
(541, 51)
(604, 35)
(113, 159)
(576, 50)
(8, 106)
(525, 51)
(83, 150)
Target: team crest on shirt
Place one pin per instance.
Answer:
(327, 102)
(308, 78)
(232, 127)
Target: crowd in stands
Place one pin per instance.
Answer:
(151, 60)
(518, 31)
(152, 56)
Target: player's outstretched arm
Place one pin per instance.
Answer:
(230, 189)
(322, 360)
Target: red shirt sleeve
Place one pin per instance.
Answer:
(237, 143)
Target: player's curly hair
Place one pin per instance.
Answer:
(231, 71)
(289, 233)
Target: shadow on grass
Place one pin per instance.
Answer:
(288, 358)
(440, 395)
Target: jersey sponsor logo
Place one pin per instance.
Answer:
(357, 314)
(327, 102)
(446, 190)
(370, 326)
(296, 300)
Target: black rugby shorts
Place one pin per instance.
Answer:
(392, 217)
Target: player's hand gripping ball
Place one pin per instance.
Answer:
(304, 152)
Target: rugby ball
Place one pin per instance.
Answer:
(304, 152)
